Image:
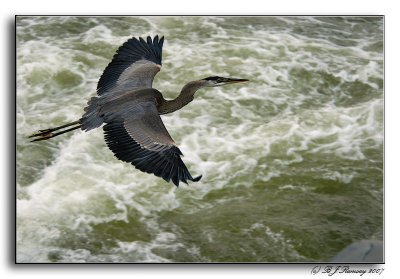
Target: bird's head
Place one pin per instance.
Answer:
(215, 81)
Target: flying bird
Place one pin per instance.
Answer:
(130, 110)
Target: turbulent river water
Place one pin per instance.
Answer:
(292, 161)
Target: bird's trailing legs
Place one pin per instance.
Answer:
(48, 133)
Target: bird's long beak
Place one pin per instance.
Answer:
(221, 81)
(236, 80)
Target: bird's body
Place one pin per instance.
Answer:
(130, 109)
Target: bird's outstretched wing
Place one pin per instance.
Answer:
(139, 137)
(133, 66)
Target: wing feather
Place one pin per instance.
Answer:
(142, 140)
(133, 66)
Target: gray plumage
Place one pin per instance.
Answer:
(129, 109)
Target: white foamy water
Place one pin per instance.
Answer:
(291, 161)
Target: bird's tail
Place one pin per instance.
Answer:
(49, 133)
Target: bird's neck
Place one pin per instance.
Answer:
(184, 98)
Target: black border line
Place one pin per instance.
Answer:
(12, 154)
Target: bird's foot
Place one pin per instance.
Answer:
(42, 135)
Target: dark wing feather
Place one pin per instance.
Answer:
(143, 141)
(133, 66)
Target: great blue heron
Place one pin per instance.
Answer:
(130, 109)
